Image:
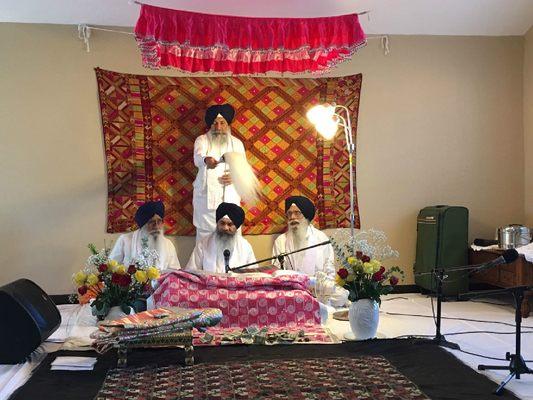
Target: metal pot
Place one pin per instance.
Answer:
(514, 235)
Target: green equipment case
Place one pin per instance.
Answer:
(442, 241)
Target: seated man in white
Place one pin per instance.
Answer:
(317, 262)
(208, 254)
(149, 218)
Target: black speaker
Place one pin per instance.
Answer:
(27, 318)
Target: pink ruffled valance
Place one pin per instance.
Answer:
(194, 42)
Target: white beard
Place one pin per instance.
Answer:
(298, 236)
(224, 241)
(155, 241)
(218, 140)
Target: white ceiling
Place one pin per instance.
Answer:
(421, 17)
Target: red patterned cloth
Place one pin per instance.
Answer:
(195, 42)
(244, 301)
(150, 124)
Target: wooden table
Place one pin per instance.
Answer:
(175, 339)
(517, 273)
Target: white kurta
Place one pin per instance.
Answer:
(204, 256)
(208, 192)
(318, 262)
(129, 245)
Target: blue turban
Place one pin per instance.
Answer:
(305, 205)
(226, 110)
(146, 211)
(233, 211)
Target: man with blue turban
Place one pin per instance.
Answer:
(224, 246)
(150, 235)
(213, 184)
(317, 262)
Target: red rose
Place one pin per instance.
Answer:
(378, 276)
(132, 269)
(358, 255)
(343, 273)
(393, 280)
(82, 290)
(125, 280)
(102, 267)
(365, 258)
(115, 278)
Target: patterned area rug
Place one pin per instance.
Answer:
(150, 124)
(370, 377)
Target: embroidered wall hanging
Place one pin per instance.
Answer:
(150, 124)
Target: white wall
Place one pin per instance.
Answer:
(441, 122)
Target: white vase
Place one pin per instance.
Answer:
(363, 315)
(116, 312)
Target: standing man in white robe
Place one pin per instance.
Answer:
(317, 262)
(149, 218)
(208, 254)
(213, 184)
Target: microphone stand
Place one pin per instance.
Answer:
(439, 338)
(438, 272)
(517, 364)
(280, 257)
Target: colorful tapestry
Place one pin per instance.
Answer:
(370, 377)
(244, 301)
(150, 124)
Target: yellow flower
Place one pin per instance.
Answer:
(140, 276)
(120, 269)
(80, 277)
(152, 272)
(92, 279)
(376, 265)
(112, 264)
(368, 268)
(339, 281)
(352, 260)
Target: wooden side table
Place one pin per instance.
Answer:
(174, 339)
(518, 273)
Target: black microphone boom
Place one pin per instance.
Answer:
(507, 257)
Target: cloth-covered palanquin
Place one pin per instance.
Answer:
(152, 325)
(150, 124)
(244, 300)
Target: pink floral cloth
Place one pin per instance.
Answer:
(283, 301)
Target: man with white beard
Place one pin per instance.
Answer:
(213, 184)
(149, 218)
(208, 254)
(317, 262)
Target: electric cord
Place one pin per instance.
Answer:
(458, 319)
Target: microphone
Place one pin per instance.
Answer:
(507, 257)
(226, 254)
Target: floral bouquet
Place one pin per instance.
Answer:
(112, 284)
(361, 271)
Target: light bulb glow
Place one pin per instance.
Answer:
(327, 128)
(320, 113)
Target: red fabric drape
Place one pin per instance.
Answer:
(194, 42)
